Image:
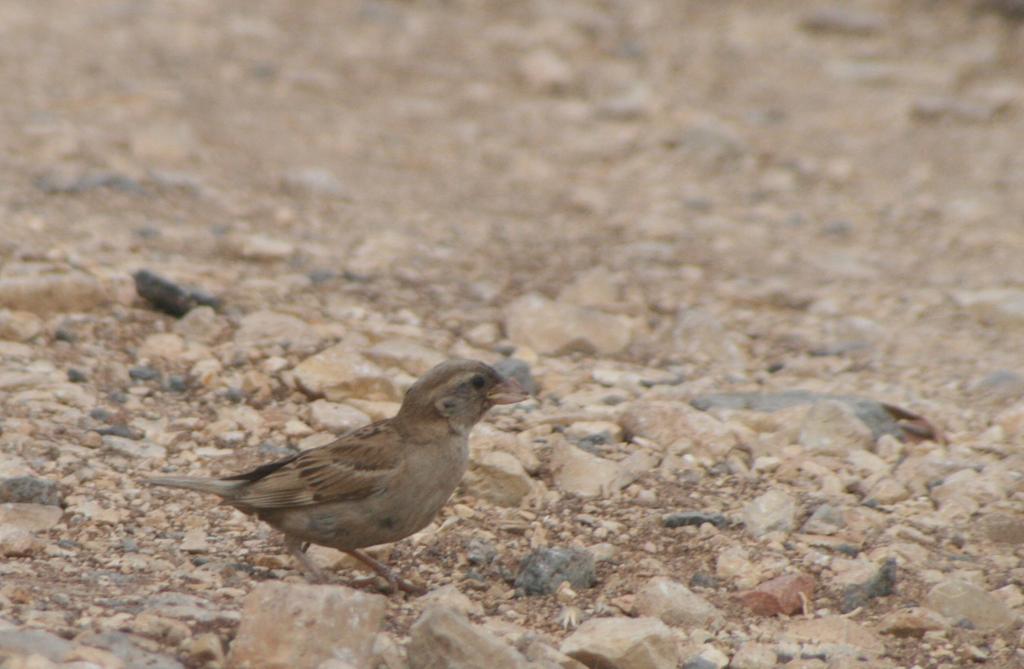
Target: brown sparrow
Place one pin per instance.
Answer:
(377, 484)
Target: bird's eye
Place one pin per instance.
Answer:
(477, 381)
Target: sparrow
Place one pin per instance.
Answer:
(377, 484)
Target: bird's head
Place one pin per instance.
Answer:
(459, 392)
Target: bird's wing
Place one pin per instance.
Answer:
(350, 468)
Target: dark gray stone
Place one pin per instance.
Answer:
(544, 570)
(168, 296)
(695, 518)
(882, 584)
(30, 490)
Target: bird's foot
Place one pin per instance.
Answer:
(312, 571)
(395, 582)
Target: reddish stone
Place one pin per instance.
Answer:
(785, 595)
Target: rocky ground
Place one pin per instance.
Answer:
(669, 216)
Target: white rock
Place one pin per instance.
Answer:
(449, 597)
(262, 247)
(166, 345)
(266, 328)
(444, 638)
(753, 655)
(498, 477)
(18, 542)
(380, 252)
(553, 327)
(996, 306)
(546, 71)
(30, 517)
(312, 181)
(623, 643)
(677, 605)
(831, 427)
(774, 511)
(201, 324)
(338, 373)
(408, 355)
(679, 425)
(19, 325)
(595, 287)
(336, 418)
(583, 474)
(959, 600)
(287, 626)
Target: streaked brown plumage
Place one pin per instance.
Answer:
(377, 484)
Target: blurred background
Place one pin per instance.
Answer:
(734, 158)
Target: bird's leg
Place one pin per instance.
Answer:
(298, 551)
(395, 582)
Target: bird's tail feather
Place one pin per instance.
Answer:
(214, 486)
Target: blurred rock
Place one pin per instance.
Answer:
(48, 293)
(31, 517)
(994, 306)
(962, 601)
(623, 643)
(405, 354)
(267, 328)
(912, 622)
(338, 373)
(753, 655)
(514, 368)
(839, 20)
(129, 648)
(541, 572)
(555, 328)
(694, 519)
(877, 416)
(287, 626)
(774, 511)
(836, 636)
(19, 325)
(205, 650)
(336, 418)
(784, 595)
(442, 637)
(677, 605)
(25, 641)
(134, 448)
(580, 473)
(202, 324)
(169, 297)
(831, 427)
(29, 490)
(499, 478)
(312, 181)
(449, 597)
(999, 386)
(380, 252)
(826, 519)
(863, 586)
(18, 542)
(677, 424)
(545, 71)
(707, 657)
(1003, 527)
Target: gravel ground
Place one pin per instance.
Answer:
(652, 206)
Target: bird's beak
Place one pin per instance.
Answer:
(507, 392)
